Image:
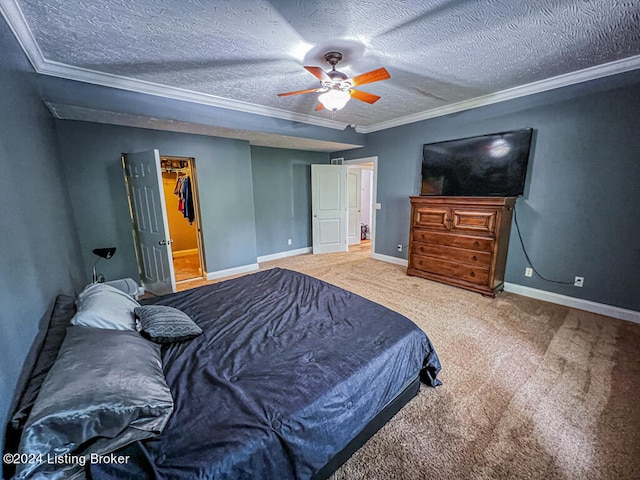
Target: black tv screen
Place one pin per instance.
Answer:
(489, 165)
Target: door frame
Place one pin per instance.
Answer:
(196, 206)
(374, 193)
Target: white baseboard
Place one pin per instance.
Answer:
(288, 253)
(389, 259)
(589, 306)
(184, 253)
(232, 271)
(579, 303)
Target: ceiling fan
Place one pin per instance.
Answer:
(336, 88)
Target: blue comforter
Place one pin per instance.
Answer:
(288, 370)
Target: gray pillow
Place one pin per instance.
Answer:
(105, 390)
(163, 324)
(103, 306)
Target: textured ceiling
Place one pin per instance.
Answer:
(440, 53)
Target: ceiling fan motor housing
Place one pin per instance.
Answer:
(336, 77)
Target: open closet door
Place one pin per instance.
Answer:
(149, 218)
(329, 208)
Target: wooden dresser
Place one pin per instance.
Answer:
(461, 241)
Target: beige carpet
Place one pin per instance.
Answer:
(531, 390)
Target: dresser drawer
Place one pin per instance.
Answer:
(473, 221)
(477, 275)
(453, 240)
(453, 254)
(431, 217)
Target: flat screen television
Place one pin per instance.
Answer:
(492, 165)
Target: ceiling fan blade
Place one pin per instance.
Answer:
(370, 77)
(309, 90)
(364, 96)
(319, 107)
(319, 73)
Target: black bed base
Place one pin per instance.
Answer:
(369, 430)
(358, 441)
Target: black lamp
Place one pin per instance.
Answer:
(106, 253)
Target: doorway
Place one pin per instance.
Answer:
(367, 203)
(336, 205)
(183, 216)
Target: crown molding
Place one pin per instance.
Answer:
(14, 17)
(18, 25)
(141, 86)
(580, 76)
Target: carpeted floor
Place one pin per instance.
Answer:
(531, 390)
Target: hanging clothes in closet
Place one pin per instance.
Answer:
(188, 199)
(185, 196)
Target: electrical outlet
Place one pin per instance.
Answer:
(399, 247)
(528, 272)
(289, 242)
(578, 282)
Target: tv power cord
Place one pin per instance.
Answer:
(526, 255)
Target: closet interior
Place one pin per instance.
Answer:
(180, 193)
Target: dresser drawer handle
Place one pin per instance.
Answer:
(476, 243)
(472, 274)
(474, 258)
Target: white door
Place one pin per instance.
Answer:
(329, 208)
(149, 217)
(354, 194)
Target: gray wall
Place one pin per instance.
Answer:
(91, 157)
(578, 215)
(40, 247)
(282, 197)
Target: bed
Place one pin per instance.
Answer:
(289, 376)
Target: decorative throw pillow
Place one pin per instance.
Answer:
(105, 390)
(163, 324)
(103, 306)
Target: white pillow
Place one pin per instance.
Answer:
(103, 306)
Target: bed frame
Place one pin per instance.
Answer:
(369, 430)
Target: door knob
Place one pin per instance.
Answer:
(165, 242)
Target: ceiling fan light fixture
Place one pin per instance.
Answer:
(334, 99)
(336, 88)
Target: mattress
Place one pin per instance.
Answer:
(289, 376)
